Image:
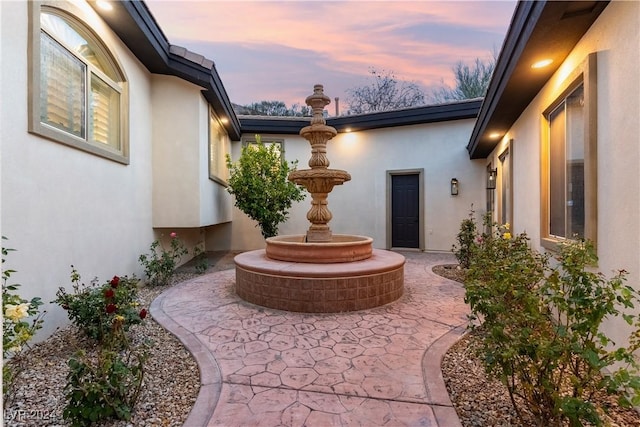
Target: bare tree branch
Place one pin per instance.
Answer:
(385, 93)
(471, 82)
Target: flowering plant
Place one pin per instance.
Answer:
(94, 308)
(542, 323)
(160, 264)
(106, 384)
(16, 329)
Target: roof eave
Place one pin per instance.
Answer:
(513, 86)
(134, 24)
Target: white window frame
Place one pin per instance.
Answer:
(267, 141)
(72, 15)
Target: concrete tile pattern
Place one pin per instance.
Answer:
(265, 367)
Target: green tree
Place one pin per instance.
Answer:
(260, 186)
(472, 81)
(273, 108)
(384, 93)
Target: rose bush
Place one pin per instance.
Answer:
(543, 321)
(17, 329)
(108, 384)
(91, 308)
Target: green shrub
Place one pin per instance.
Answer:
(466, 240)
(543, 324)
(202, 262)
(161, 263)
(17, 331)
(107, 385)
(93, 308)
(260, 185)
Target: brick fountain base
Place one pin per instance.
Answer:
(320, 287)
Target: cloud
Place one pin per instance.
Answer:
(279, 49)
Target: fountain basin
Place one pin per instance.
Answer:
(341, 248)
(320, 288)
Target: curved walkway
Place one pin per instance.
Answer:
(264, 367)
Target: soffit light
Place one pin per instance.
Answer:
(495, 135)
(542, 63)
(224, 120)
(104, 5)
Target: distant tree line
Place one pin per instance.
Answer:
(385, 92)
(273, 108)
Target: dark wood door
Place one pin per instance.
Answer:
(405, 211)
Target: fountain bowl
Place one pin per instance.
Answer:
(341, 248)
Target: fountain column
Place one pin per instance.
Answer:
(319, 180)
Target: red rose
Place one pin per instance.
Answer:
(109, 293)
(143, 313)
(111, 308)
(114, 282)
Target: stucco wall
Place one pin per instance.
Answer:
(359, 206)
(62, 206)
(616, 39)
(183, 194)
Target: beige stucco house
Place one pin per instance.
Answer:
(112, 137)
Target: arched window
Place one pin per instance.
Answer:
(78, 90)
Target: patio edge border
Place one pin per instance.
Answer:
(443, 408)
(210, 376)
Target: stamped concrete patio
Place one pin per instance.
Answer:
(264, 367)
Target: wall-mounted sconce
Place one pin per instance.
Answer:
(491, 179)
(454, 186)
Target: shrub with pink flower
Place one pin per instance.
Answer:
(160, 264)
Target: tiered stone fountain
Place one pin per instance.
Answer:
(319, 272)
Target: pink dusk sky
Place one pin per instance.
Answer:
(277, 50)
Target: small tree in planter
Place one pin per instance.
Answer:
(260, 186)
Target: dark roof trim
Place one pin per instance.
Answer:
(272, 125)
(538, 29)
(522, 23)
(410, 116)
(134, 24)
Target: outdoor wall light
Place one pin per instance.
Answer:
(491, 179)
(454, 186)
